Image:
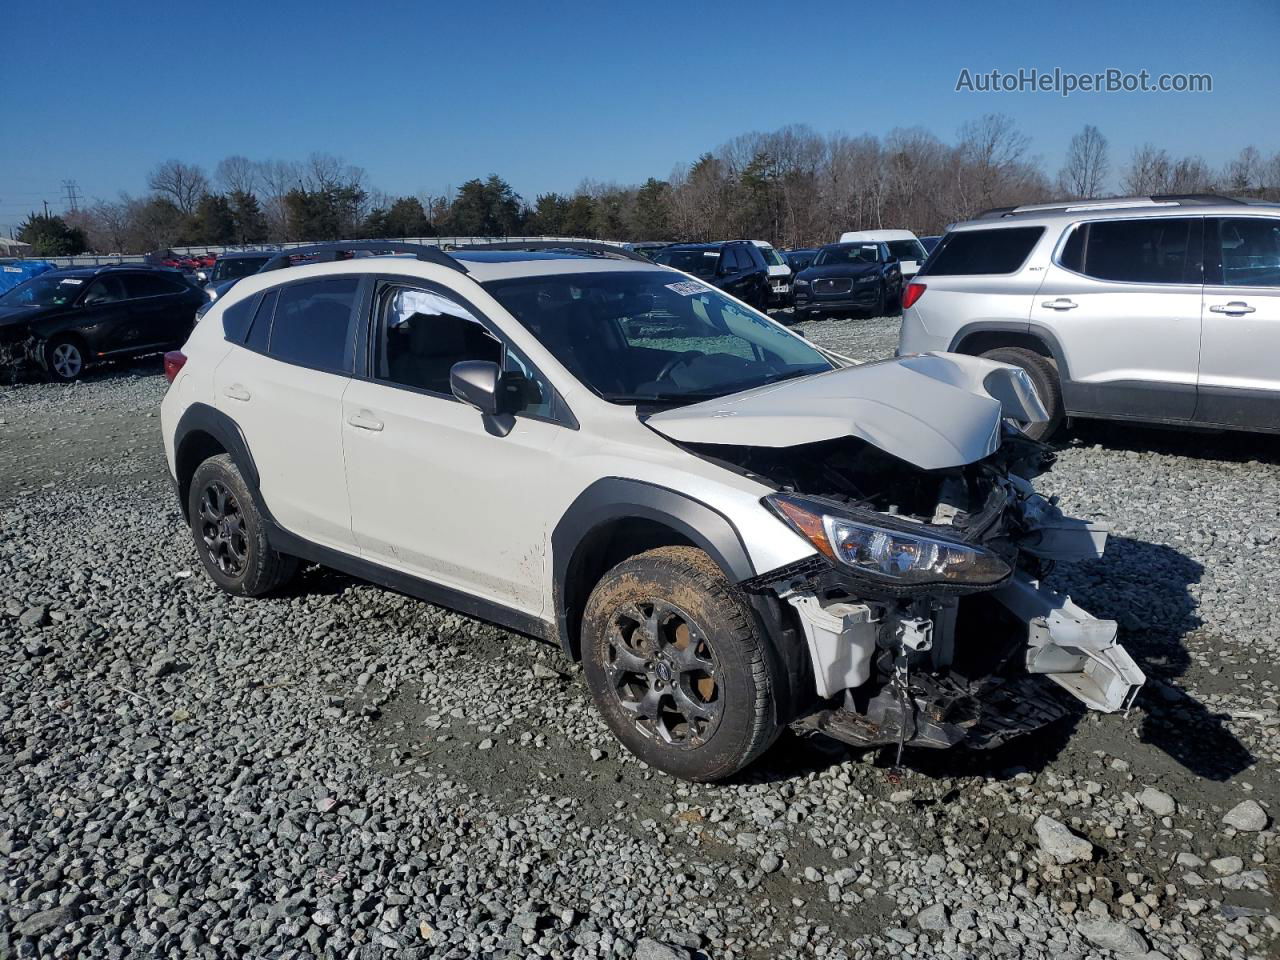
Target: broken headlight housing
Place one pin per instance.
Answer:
(892, 555)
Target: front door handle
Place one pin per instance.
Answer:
(1062, 303)
(236, 392)
(364, 420)
(1236, 308)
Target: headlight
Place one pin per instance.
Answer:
(866, 278)
(211, 293)
(896, 557)
(801, 283)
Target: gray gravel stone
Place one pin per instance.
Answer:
(1117, 937)
(1060, 843)
(1158, 802)
(1247, 816)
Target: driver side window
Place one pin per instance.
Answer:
(104, 290)
(423, 333)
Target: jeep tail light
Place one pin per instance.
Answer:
(173, 362)
(913, 293)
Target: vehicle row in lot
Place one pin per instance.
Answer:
(1163, 309)
(68, 319)
(733, 529)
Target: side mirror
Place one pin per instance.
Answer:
(477, 382)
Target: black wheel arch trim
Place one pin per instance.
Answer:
(611, 499)
(202, 418)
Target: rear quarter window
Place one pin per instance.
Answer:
(973, 252)
(237, 317)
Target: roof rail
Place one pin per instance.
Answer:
(1109, 203)
(333, 251)
(585, 246)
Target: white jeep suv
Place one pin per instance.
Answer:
(1163, 309)
(732, 529)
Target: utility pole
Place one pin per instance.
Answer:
(71, 190)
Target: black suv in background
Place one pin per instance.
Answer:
(66, 319)
(231, 267)
(862, 276)
(736, 267)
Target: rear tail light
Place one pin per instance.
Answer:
(173, 362)
(913, 293)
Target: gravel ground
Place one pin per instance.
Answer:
(344, 772)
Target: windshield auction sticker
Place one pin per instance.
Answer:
(687, 288)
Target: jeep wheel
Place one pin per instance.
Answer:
(677, 666)
(1044, 375)
(64, 358)
(229, 533)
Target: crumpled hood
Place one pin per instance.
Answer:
(933, 410)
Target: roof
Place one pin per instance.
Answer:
(93, 271)
(1115, 208)
(243, 254)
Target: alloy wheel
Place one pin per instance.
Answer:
(663, 672)
(222, 529)
(67, 361)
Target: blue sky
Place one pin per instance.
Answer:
(425, 95)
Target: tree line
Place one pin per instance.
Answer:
(792, 186)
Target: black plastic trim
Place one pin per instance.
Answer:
(1237, 408)
(202, 418)
(616, 498)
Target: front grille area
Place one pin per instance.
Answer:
(828, 287)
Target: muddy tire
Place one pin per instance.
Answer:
(1044, 374)
(677, 665)
(229, 533)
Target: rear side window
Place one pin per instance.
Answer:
(139, 285)
(1135, 251)
(1250, 252)
(260, 331)
(236, 319)
(973, 252)
(312, 324)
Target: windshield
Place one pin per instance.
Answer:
(44, 291)
(771, 257)
(701, 263)
(842, 253)
(236, 268)
(906, 249)
(654, 336)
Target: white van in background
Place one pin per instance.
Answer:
(902, 244)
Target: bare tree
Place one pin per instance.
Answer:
(237, 173)
(1244, 174)
(991, 152)
(183, 184)
(1084, 174)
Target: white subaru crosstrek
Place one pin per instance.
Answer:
(733, 529)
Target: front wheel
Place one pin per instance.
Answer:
(1044, 375)
(64, 358)
(677, 666)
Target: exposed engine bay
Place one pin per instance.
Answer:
(923, 609)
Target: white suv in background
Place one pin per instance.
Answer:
(780, 275)
(732, 529)
(1163, 309)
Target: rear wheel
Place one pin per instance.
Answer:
(230, 534)
(1044, 375)
(64, 358)
(676, 664)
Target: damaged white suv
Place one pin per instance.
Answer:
(732, 529)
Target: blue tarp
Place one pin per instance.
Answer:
(13, 272)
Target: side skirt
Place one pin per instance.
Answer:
(442, 596)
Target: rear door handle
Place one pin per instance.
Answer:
(1062, 303)
(1236, 308)
(236, 392)
(364, 420)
